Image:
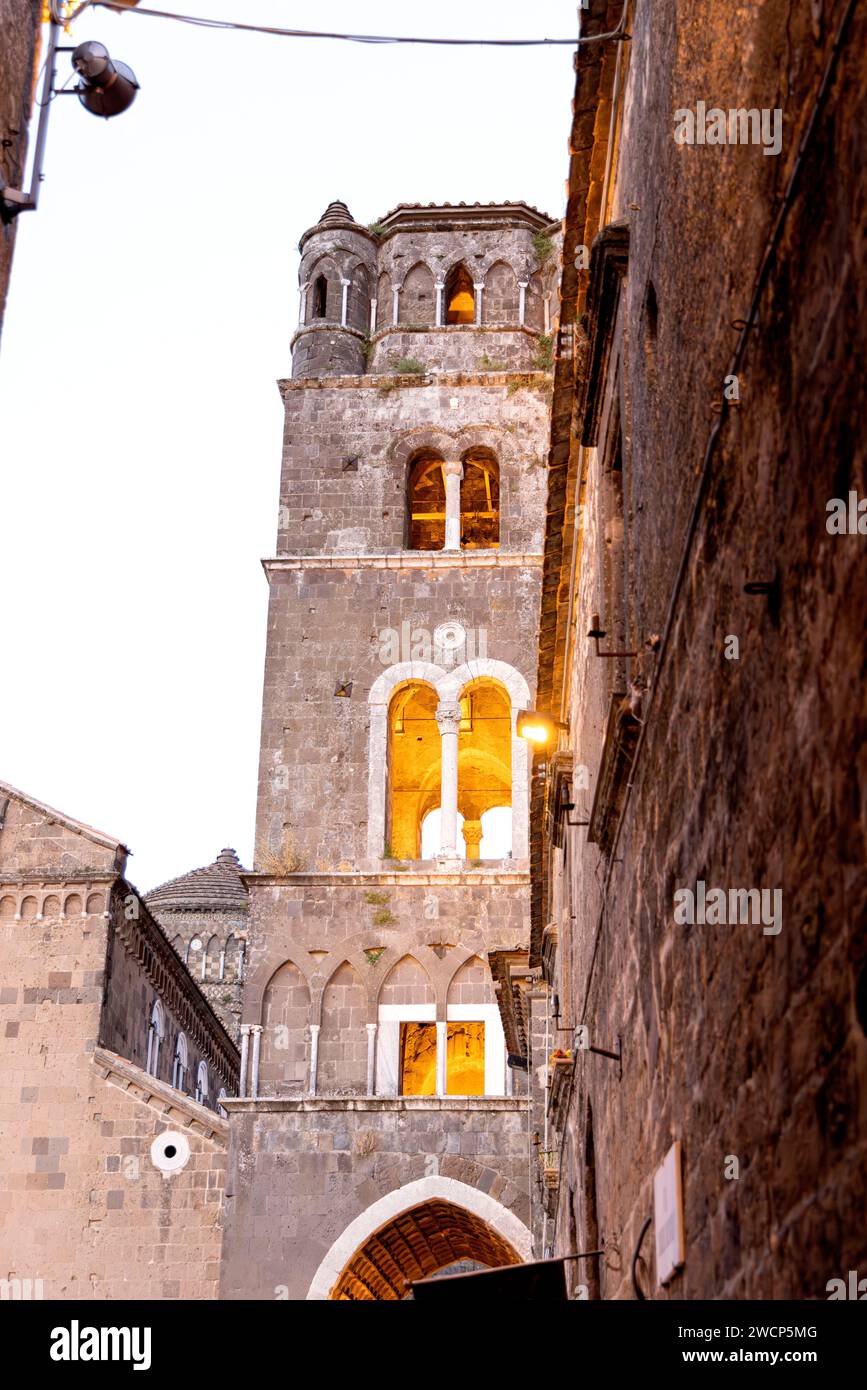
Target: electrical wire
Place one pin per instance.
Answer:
(204, 22)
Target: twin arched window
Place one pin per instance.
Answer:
(476, 503)
(418, 786)
(202, 1083)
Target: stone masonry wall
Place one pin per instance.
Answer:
(302, 1171)
(739, 1044)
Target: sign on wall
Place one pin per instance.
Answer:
(668, 1215)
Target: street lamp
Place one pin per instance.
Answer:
(106, 88)
(538, 728)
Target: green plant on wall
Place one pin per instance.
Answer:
(544, 359)
(543, 246)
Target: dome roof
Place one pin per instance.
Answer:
(215, 888)
(335, 215)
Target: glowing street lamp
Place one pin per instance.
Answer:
(538, 728)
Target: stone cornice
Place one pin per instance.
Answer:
(428, 878)
(375, 380)
(311, 1105)
(406, 560)
(171, 1105)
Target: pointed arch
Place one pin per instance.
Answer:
(516, 1240)
(460, 295)
(358, 307)
(342, 1062)
(286, 1020)
(383, 301)
(418, 297)
(500, 299)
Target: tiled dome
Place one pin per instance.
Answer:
(215, 888)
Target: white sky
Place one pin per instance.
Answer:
(152, 300)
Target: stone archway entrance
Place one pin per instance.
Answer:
(415, 1232)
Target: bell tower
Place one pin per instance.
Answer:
(392, 849)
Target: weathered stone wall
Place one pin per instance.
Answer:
(301, 1171)
(18, 25)
(737, 1043)
(82, 1204)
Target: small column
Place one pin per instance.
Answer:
(442, 1041)
(472, 837)
(546, 304)
(256, 1030)
(373, 304)
(478, 289)
(449, 720)
(344, 303)
(522, 301)
(440, 289)
(314, 1056)
(371, 1058)
(245, 1045)
(302, 306)
(395, 305)
(454, 472)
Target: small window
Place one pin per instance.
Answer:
(202, 1083)
(320, 297)
(156, 1033)
(179, 1067)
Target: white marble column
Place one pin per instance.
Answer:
(454, 472)
(371, 1058)
(449, 721)
(373, 304)
(395, 305)
(478, 289)
(256, 1030)
(245, 1044)
(440, 289)
(302, 306)
(522, 300)
(344, 303)
(442, 1043)
(314, 1056)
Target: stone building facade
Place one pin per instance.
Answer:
(113, 1145)
(19, 26)
(702, 640)
(393, 818)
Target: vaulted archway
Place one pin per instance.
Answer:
(414, 1232)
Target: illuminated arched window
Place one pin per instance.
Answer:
(414, 767)
(480, 501)
(460, 296)
(485, 766)
(426, 503)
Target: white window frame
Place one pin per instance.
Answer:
(181, 1061)
(202, 1083)
(156, 1033)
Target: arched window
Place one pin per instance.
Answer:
(431, 841)
(414, 764)
(426, 503)
(534, 312)
(320, 297)
(156, 1033)
(484, 763)
(460, 296)
(384, 307)
(179, 1066)
(358, 309)
(480, 501)
(223, 1095)
(202, 1083)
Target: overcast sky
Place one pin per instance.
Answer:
(152, 301)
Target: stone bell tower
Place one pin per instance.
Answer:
(392, 829)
